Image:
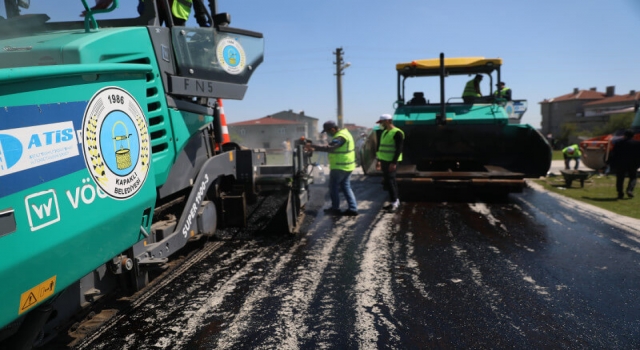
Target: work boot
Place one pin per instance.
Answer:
(331, 211)
(393, 206)
(350, 212)
(630, 194)
(620, 195)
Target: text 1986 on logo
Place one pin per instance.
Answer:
(231, 56)
(116, 142)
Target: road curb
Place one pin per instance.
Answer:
(623, 222)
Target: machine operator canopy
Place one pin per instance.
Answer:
(453, 66)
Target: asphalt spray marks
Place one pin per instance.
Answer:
(373, 287)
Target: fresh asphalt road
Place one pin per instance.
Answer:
(534, 271)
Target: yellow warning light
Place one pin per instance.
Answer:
(230, 156)
(192, 233)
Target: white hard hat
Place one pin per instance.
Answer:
(385, 117)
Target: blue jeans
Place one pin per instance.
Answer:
(567, 160)
(341, 180)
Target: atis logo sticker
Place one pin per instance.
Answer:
(33, 146)
(116, 143)
(231, 56)
(10, 152)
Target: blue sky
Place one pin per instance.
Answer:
(549, 47)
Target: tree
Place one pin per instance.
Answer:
(568, 131)
(616, 122)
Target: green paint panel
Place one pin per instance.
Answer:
(69, 217)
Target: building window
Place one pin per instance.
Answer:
(300, 129)
(282, 131)
(243, 132)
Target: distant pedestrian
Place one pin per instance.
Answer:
(389, 154)
(288, 155)
(359, 144)
(569, 153)
(342, 162)
(625, 161)
(322, 156)
(551, 141)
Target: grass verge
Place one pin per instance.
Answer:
(557, 155)
(598, 190)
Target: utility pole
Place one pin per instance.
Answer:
(340, 67)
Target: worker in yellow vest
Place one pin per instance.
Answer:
(569, 153)
(502, 91)
(389, 154)
(342, 162)
(180, 10)
(472, 89)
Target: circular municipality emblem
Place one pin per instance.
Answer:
(115, 142)
(509, 108)
(231, 56)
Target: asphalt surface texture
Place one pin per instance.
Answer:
(534, 270)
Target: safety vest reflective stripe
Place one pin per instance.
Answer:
(470, 90)
(343, 157)
(181, 8)
(387, 147)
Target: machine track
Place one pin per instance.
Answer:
(110, 311)
(101, 323)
